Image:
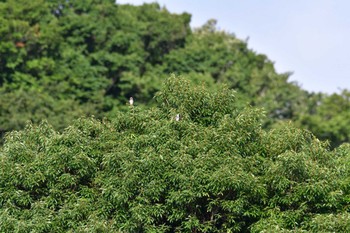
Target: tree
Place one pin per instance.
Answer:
(329, 117)
(88, 56)
(214, 170)
(227, 59)
(93, 55)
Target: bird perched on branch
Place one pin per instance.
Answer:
(177, 118)
(131, 101)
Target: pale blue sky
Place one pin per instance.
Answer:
(310, 38)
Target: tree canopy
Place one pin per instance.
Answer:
(225, 144)
(214, 170)
(63, 59)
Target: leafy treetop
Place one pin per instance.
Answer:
(214, 170)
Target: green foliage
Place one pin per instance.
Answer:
(90, 53)
(214, 170)
(93, 55)
(20, 106)
(228, 60)
(329, 118)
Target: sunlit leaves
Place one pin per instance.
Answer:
(144, 171)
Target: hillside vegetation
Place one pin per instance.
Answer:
(64, 59)
(249, 152)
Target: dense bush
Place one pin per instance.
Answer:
(214, 170)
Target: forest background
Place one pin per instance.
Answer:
(63, 60)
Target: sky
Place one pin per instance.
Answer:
(310, 38)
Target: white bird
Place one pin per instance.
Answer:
(177, 118)
(131, 101)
